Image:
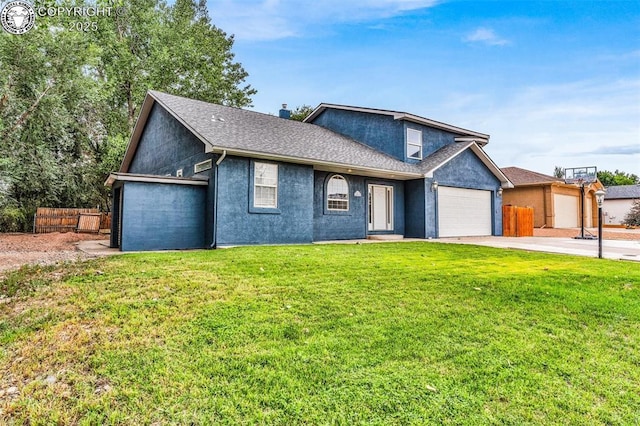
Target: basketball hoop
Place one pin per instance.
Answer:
(580, 176)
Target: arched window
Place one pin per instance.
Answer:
(337, 193)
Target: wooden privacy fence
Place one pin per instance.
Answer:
(517, 221)
(70, 220)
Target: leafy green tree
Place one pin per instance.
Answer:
(174, 49)
(69, 100)
(198, 57)
(633, 217)
(43, 105)
(558, 172)
(616, 178)
(301, 112)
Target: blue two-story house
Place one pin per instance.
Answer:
(199, 175)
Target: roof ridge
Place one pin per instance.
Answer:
(531, 172)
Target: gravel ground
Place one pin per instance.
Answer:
(42, 249)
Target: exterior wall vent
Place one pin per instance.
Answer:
(201, 167)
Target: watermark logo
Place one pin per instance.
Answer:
(17, 17)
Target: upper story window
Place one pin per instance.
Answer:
(414, 144)
(265, 190)
(337, 193)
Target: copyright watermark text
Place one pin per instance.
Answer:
(76, 12)
(19, 16)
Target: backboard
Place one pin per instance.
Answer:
(581, 175)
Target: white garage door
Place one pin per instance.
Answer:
(566, 208)
(463, 212)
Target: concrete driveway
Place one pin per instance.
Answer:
(611, 249)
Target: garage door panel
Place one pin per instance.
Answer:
(566, 209)
(464, 212)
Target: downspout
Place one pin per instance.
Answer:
(214, 244)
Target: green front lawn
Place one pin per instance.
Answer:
(400, 333)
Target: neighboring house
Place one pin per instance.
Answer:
(555, 204)
(198, 175)
(618, 201)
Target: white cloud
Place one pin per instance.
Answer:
(277, 19)
(486, 36)
(571, 125)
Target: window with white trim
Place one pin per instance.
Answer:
(338, 194)
(414, 144)
(265, 185)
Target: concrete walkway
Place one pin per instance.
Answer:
(97, 248)
(611, 249)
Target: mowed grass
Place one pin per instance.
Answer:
(400, 333)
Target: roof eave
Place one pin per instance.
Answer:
(133, 177)
(482, 141)
(320, 164)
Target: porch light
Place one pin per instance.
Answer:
(500, 192)
(600, 197)
(434, 186)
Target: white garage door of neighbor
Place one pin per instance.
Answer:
(463, 212)
(566, 210)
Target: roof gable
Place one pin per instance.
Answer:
(448, 152)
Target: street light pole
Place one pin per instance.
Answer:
(600, 199)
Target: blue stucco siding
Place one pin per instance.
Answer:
(414, 207)
(464, 171)
(162, 216)
(166, 146)
(329, 225)
(291, 222)
(381, 132)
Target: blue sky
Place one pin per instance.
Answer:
(555, 83)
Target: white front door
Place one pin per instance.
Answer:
(380, 208)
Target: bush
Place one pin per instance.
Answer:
(13, 219)
(633, 217)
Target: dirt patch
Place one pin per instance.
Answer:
(607, 234)
(41, 249)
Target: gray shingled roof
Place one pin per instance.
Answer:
(441, 156)
(622, 192)
(521, 176)
(249, 133)
(238, 129)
